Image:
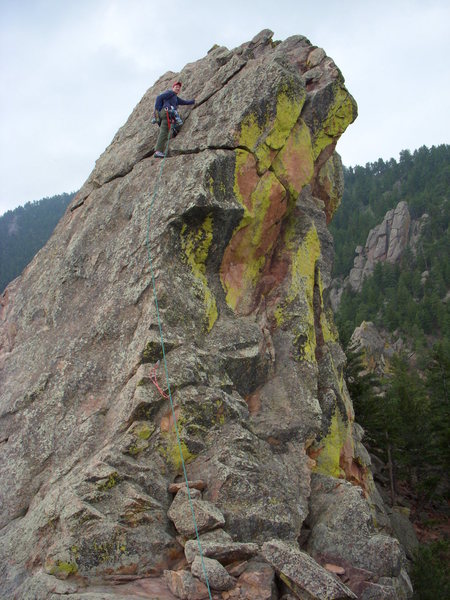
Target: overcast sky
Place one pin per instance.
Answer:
(71, 72)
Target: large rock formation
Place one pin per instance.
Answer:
(378, 346)
(385, 243)
(240, 259)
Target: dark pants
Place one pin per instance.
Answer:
(163, 132)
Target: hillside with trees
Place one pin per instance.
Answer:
(23, 232)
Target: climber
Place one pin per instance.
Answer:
(166, 113)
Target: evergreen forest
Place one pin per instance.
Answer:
(24, 231)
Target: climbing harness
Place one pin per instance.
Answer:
(154, 380)
(174, 121)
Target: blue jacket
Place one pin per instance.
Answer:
(170, 100)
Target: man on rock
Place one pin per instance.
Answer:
(166, 109)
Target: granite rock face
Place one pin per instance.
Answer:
(385, 243)
(240, 257)
(378, 346)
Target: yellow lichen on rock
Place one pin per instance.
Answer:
(328, 457)
(196, 244)
(251, 131)
(62, 569)
(342, 112)
(264, 136)
(287, 112)
(262, 193)
(329, 330)
(302, 289)
(330, 185)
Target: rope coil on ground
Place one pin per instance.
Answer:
(165, 361)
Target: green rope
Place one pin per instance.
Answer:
(165, 361)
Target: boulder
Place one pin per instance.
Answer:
(257, 582)
(197, 485)
(225, 553)
(183, 510)
(302, 573)
(211, 569)
(343, 529)
(184, 586)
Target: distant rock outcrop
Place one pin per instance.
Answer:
(241, 257)
(378, 347)
(385, 243)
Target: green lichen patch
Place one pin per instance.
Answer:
(329, 449)
(175, 452)
(138, 437)
(103, 551)
(199, 417)
(109, 551)
(152, 352)
(301, 294)
(196, 243)
(142, 429)
(329, 330)
(108, 483)
(63, 569)
(136, 448)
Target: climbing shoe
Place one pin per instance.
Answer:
(159, 154)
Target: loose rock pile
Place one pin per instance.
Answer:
(238, 570)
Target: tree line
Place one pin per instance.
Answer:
(25, 230)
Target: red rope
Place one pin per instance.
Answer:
(154, 380)
(169, 122)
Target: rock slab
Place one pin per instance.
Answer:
(303, 574)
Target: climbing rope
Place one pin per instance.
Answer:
(165, 361)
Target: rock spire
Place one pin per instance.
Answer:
(241, 258)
